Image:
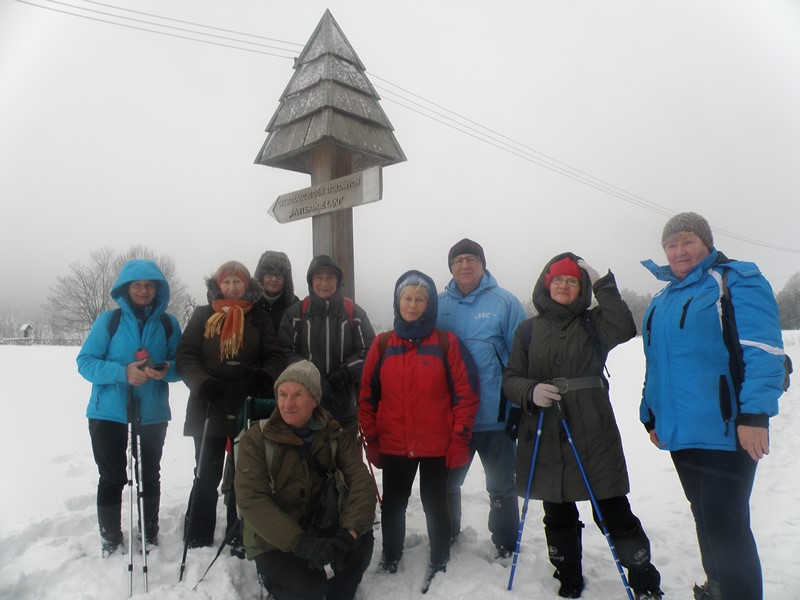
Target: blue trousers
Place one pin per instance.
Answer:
(718, 485)
(497, 452)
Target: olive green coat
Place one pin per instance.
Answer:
(276, 521)
(556, 343)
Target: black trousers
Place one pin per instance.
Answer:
(718, 485)
(288, 577)
(204, 496)
(616, 512)
(110, 445)
(399, 473)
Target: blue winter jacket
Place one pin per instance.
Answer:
(485, 321)
(688, 391)
(102, 359)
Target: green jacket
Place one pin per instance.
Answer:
(276, 520)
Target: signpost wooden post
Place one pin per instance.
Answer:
(329, 124)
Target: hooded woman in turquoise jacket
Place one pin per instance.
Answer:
(715, 371)
(108, 359)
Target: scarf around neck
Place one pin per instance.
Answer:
(228, 323)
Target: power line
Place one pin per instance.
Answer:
(183, 37)
(138, 12)
(461, 123)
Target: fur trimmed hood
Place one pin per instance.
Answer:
(252, 294)
(276, 262)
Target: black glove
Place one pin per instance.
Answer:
(346, 544)
(322, 551)
(340, 378)
(210, 390)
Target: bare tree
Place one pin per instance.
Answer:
(789, 303)
(637, 303)
(77, 299)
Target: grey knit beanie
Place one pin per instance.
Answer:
(305, 373)
(692, 223)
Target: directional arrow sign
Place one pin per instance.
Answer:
(353, 190)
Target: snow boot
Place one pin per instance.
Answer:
(108, 519)
(633, 550)
(565, 552)
(388, 566)
(151, 508)
(433, 569)
(710, 590)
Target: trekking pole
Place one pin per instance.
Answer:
(130, 488)
(527, 498)
(596, 507)
(137, 428)
(362, 444)
(192, 494)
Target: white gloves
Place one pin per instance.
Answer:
(593, 275)
(544, 394)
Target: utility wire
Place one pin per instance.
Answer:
(183, 37)
(462, 124)
(138, 12)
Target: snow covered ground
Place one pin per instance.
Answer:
(49, 544)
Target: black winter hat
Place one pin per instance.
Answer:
(466, 246)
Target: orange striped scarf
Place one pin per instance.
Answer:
(228, 323)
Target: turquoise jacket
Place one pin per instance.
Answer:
(102, 359)
(485, 321)
(688, 392)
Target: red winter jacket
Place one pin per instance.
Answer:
(405, 399)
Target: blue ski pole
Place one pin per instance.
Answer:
(596, 507)
(527, 498)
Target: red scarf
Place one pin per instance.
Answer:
(228, 323)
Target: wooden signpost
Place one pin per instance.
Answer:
(330, 125)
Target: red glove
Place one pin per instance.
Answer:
(458, 450)
(372, 450)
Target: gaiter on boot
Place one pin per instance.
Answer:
(565, 551)
(633, 549)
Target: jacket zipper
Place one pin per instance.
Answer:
(684, 311)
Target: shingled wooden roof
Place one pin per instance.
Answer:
(329, 100)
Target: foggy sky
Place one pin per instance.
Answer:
(113, 136)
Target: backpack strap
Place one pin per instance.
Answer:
(349, 307)
(269, 454)
(116, 316)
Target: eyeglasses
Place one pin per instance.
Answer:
(563, 279)
(465, 260)
(275, 276)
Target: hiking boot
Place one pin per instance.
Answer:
(503, 552)
(388, 567)
(108, 520)
(433, 569)
(110, 546)
(645, 582)
(571, 583)
(710, 590)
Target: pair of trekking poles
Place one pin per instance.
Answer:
(562, 413)
(135, 444)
